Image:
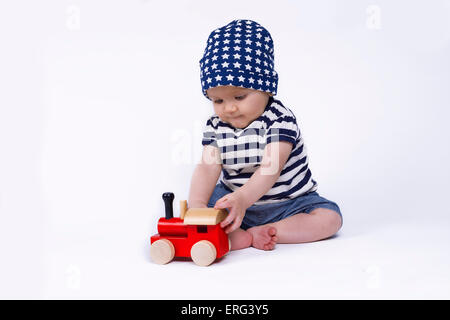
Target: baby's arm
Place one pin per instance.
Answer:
(274, 159)
(205, 177)
(262, 180)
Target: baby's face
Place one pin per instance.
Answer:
(237, 106)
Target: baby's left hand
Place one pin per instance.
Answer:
(235, 203)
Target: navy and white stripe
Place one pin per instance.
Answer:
(241, 152)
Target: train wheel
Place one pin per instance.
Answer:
(162, 251)
(203, 253)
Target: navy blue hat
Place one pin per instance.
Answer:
(239, 54)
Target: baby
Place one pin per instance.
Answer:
(254, 141)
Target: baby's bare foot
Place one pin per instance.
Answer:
(264, 237)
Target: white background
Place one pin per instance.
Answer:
(101, 112)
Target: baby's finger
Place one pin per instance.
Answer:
(236, 224)
(226, 222)
(228, 219)
(221, 203)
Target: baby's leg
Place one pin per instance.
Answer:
(319, 224)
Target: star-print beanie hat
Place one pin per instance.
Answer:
(239, 54)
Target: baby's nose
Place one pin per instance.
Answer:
(231, 108)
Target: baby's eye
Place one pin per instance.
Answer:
(240, 97)
(218, 101)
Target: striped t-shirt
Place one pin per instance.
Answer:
(241, 152)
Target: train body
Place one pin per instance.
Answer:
(195, 234)
(184, 236)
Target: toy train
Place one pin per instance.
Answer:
(195, 234)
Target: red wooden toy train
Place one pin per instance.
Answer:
(195, 234)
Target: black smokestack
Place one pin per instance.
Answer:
(168, 200)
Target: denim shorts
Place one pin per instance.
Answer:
(268, 213)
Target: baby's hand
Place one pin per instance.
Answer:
(235, 204)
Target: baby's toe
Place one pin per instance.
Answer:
(272, 244)
(272, 231)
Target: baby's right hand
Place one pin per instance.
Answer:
(235, 203)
